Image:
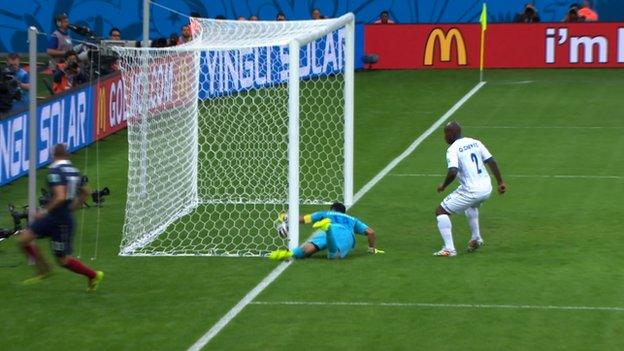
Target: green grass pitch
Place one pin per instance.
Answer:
(554, 240)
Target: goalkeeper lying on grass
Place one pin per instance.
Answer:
(335, 231)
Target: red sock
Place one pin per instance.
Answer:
(77, 267)
(32, 251)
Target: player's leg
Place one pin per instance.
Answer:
(446, 231)
(26, 241)
(472, 214)
(317, 243)
(62, 248)
(455, 202)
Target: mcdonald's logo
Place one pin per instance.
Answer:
(101, 110)
(446, 41)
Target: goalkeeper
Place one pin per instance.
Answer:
(335, 232)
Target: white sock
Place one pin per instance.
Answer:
(445, 227)
(473, 221)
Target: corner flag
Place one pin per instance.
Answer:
(483, 20)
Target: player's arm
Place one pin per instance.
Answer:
(59, 192)
(450, 177)
(452, 163)
(493, 166)
(83, 193)
(361, 228)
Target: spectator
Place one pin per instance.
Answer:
(220, 17)
(253, 18)
(186, 35)
(280, 16)
(384, 18)
(587, 12)
(114, 34)
(173, 39)
(529, 15)
(241, 18)
(572, 15)
(21, 76)
(59, 42)
(316, 14)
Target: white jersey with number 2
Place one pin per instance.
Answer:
(468, 156)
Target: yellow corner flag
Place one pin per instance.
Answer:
(483, 20)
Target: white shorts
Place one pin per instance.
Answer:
(459, 201)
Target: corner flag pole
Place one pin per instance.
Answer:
(483, 20)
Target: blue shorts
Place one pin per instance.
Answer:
(319, 239)
(339, 242)
(59, 229)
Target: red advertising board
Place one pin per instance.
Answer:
(109, 110)
(541, 45)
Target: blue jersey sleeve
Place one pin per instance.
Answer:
(317, 216)
(360, 227)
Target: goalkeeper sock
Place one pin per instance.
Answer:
(298, 253)
(445, 227)
(473, 221)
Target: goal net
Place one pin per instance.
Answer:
(247, 120)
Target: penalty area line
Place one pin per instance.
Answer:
(439, 305)
(251, 295)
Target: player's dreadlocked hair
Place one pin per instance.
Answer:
(338, 207)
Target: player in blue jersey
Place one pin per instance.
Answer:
(55, 221)
(335, 232)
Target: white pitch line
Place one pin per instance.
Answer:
(556, 176)
(416, 142)
(439, 305)
(546, 127)
(232, 313)
(205, 339)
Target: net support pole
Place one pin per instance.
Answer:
(348, 112)
(293, 144)
(32, 124)
(146, 20)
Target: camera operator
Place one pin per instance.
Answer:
(20, 75)
(60, 42)
(68, 74)
(14, 84)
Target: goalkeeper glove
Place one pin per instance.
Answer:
(374, 251)
(282, 217)
(323, 224)
(282, 229)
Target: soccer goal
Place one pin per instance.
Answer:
(247, 120)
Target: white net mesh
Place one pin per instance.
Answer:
(208, 136)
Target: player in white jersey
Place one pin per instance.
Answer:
(466, 159)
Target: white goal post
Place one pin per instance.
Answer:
(246, 120)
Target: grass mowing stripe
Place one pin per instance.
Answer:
(417, 142)
(558, 176)
(239, 307)
(232, 313)
(439, 305)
